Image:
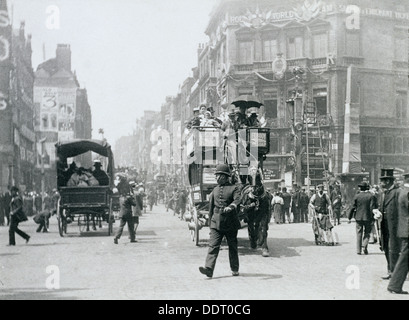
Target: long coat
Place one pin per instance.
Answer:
(363, 204)
(389, 206)
(403, 213)
(222, 197)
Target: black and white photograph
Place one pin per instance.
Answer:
(204, 155)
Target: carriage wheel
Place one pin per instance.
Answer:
(60, 220)
(110, 219)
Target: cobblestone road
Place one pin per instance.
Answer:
(163, 265)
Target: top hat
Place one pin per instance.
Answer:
(387, 174)
(364, 185)
(223, 169)
(196, 110)
(97, 163)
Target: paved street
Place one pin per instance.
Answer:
(163, 265)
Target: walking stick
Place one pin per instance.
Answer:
(379, 236)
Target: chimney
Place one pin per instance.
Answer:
(64, 57)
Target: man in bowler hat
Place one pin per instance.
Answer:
(402, 265)
(362, 210)
(16, 216)
(389, 209)
(224, 221)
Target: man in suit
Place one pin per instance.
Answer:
(17, 215)
(224, 221)
(296, 204)
(336, 200)
(363, 205)
(389, 210)
(402, 266)
(304, 200)
(287, 204)
(126, 215)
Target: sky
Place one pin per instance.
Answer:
(129, 54)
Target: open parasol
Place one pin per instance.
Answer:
(247, 101)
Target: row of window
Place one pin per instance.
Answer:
(387, 145)
(295, 47)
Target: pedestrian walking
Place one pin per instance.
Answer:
(277, 205)
(295, 205)
(362, 211)
(137, 209)
(287, 204)
(7, 200)
(224, 222)
(400, 272)
(321, 205)
(125, 214)
(336, 200)
(17, 216)
(304, 200)
(2, 210)
(389, 209)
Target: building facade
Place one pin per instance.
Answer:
(62, 110)
(295, 57)
(17, 137)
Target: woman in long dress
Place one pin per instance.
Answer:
(277, 204)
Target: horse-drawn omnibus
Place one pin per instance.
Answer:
(206, 147)
(84, 204)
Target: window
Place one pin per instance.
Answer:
(399, 145)
(245, 52)
(368, 144)
(274, 145)
(401, 48)
(401, 106)
(295, 48)
(320, 98)
(406, 145)
(352, 44)
(387, 145)
(320, 45)
(270, 50)
(271, 108)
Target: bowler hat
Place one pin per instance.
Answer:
(364, 185)
(223, 169)
(387, 174)
(97, 163)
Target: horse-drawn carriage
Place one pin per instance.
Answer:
(244, 151)
(83, 205)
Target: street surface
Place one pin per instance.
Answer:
(163, 265)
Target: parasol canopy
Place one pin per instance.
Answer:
(247, 101)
